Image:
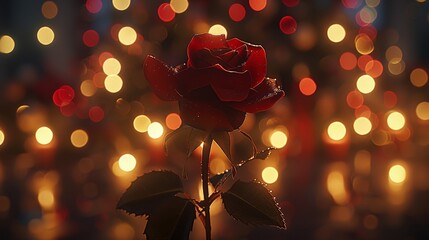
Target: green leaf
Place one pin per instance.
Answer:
(173, 219)
(223, 140)
(148, 191)
(251, 203)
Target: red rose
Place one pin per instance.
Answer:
(222, 80)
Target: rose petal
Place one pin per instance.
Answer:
(256, 63)
(202, 41)
(228, 85)
(262, 98)
(205, 58)
(161, 78)
(203, 110)
(234, 59)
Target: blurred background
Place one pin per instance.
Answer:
(78, 122)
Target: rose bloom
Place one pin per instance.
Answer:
(221, 81)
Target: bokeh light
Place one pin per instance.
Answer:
(121, 5)
(111, 66)
(127, 35)
(418, 77)
(179, 6)
(44, 135)
(2, 137)
(49, 9)
(127, 162)
(165, 12)
(307, 86)
(362, 125)
(237, 12)
(336, 33)
(218, 29)
(79, 138)
(93, 6)
(336, 187)
(395, 120)
(45, 35)
(96, 114)
(173, 121)
(278, 139)
(336, 131)
(288, 25)
(141, 123)
(87, 88)
(257, 5)
(365, 84)
(397, 173)
(270, 175)
(422, 110)
(7, 44)
(355, 99)
(113, 83)
(348, 61)
(46, 198)
(90, 38)
(155, 130)
(364, 44)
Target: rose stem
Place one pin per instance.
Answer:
(205, 176)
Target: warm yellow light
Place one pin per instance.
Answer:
(396, 67)
(364, 44)
(44, 135)
(179, 6)
(111, 66)
(397, 173)
(127, 35)
(79, 138)
(270, 175)
(87, 88)
(336, 33)
(123, 230)
(336, 131)
(218, 29)
(46, 198)
(422, 110)
(395, 120)
(127, 162)
(7, 44)
(113, 83)
(141, 123)
(217, 165)
(1, 137)
(121, 5)
(336, 187)
(419, 77)
(365, 84)
(155, 130)
(278, 139)
(49, 9)
(362, 125)
(394, 54)
(45, 35)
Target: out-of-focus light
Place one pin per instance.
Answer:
(7, 44)
(307, 86)
(336, 33)
(111, 66)
(127, 162)
(2, 137)
(305, 37)
(374, 68)
(370, 221)
(87, 88)
(155, 130)
(362, 125)
(121, 5)
(127, 35)
(166, 13)
(372, 3)
(93, 6)
(367, 15)
(141, 123)
(390, 99)
(113, 83)
(270, 175)
(364, 44)
(362, 162)
(290, 3)
(336, 131)
(44, 135)
(46, 198)
(396, 68)
(351, 3)
(123, 230)
(365, 84)
(395, 120)
(300, 70)
(422, 110)
(393, 54)
(348, 61)
(218, 29)
(90, 38)
(96, 114)
(237, 12)
(45, 35)
(173, 121)
(63, 96)
(179, 6)
(354, 99)
(419, 77)
(49, 9)
(336, 187)
(397, 173)
(79, 138)
(363, 61)
(257, 5)
(278, 139)
(288, 25)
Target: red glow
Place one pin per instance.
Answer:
(258, 5)
(63, 96)
(114, 30)
(90, 38)
(103, 57)
(374, 68)
(68, 110)
(165, 12)
(237, 12)
(93, 6)
(363, 61)
(96, 114)
(363, 111)
(390, 99)
(369, 30)
(348, 61)
(290, 3)
(288, 25)
(307, 86)
(351, 3)
(354, 99)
